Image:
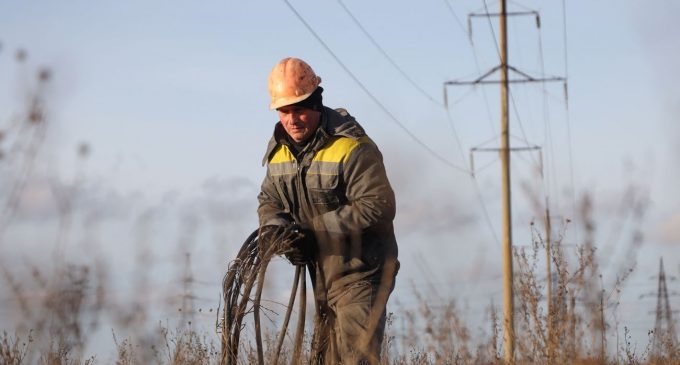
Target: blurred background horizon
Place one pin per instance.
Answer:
(156, 120)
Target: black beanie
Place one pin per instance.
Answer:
(313, 101)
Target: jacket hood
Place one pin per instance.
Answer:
(334, 122)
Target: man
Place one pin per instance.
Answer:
(326, 177)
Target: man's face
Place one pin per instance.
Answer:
(300, 123)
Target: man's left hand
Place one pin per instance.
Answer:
(301, 250)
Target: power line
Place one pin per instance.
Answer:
(455, 135)
(512, 98)
(478, 192)
(525, 139)
(566, 99)
(387, 56)
(547, 127)
(514, 104)
(477, 65)
(484, 210)
(475, 182)
(564, 26)
(373, 97)
(455, 16)
(406, 76)
(493, 31)
(448, 114)
(396, 121)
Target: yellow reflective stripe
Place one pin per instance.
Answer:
(282, 168)
(338, 149)
(323, 168)
(282, 154)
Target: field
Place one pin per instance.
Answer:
(61, 309)
(57, 327)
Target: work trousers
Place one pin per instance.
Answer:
(346, 335)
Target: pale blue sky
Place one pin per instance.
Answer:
(171, 96)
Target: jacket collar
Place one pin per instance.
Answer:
(334, 123)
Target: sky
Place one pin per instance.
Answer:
(170, 99)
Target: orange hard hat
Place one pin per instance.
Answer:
(291, 80)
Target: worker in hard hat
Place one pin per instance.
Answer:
(327, 177)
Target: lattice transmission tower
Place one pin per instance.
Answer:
(664, 329)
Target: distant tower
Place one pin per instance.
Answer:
(187, 296)
(664, 331)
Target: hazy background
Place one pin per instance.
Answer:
(167, 103)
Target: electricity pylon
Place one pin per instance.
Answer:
(664, 330)
(506, 216)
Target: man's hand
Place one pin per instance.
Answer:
(300, 248)
(294, 242)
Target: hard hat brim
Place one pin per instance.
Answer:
(289, 100)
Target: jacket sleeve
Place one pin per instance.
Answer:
(271, 210)
(370, 198)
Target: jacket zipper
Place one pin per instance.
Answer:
(298, 185)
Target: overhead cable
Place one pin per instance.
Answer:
(394, 119)
(548, 131)
(455, 16)
(566, 99)
(493, 31)
(401, 125)
(477, 65)
(387, 56)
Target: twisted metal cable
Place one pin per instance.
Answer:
(245, 273)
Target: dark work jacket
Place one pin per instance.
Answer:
(337, 186)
